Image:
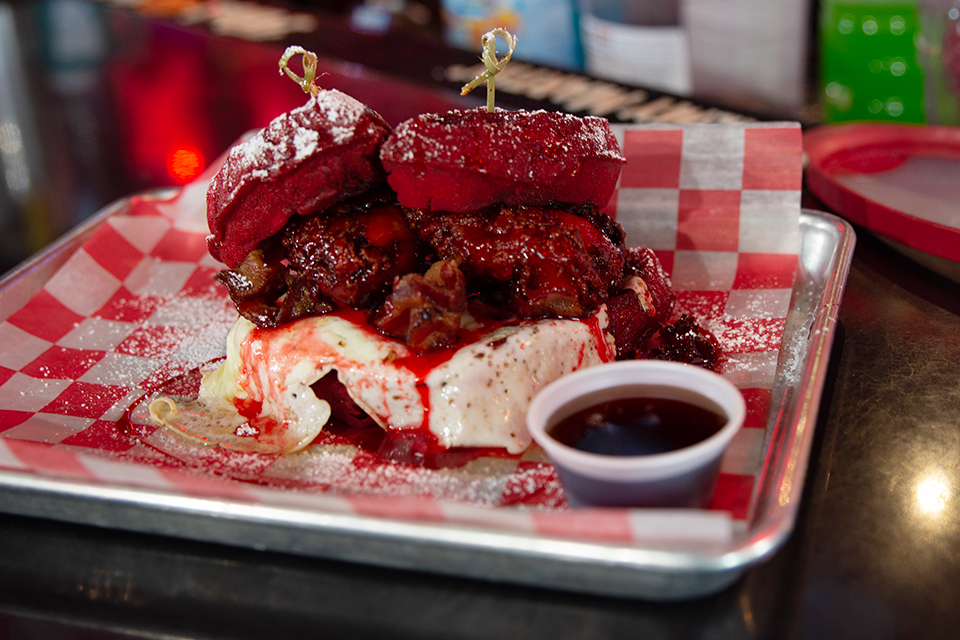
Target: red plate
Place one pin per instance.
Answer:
(900, 181)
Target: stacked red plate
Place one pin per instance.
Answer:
(901, 182)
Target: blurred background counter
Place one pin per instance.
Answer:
(103, 99)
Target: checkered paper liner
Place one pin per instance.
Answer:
(136, 307)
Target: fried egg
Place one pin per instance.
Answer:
(260, 397)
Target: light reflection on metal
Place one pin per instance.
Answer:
(13, 160)
(11, 141)
(15, 171)
(786, 492)
(932, 495)
(18, 180)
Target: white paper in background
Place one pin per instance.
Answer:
(655, 57)
(750, 54)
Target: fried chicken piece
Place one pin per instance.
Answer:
(305, 160)
(346, 255)
(638, 312)
(425, 310)
(630, 323)
(355, 249)
(684, 341)
(644, 263)
(265, 292)
(545, 262)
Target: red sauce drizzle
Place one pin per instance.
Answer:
(350, 425)
(414, 447)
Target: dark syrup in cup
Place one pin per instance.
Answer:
(670, 460)
(638, 425)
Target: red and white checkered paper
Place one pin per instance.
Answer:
(136, 307)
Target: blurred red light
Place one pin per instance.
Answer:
(185, 164)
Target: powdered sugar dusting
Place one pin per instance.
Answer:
(746, 335)
(305, 143)
(326, 121)
(342, 111)
(345, 470)
(464, 160)
(322, 152)
(460, 138)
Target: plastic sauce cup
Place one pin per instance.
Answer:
(684, 477)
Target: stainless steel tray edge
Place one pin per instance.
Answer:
(461, 551)
(828, 247)
(473, 552)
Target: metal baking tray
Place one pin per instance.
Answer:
(648, 572)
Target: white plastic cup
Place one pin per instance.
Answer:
(684, 477)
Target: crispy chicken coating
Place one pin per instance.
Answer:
(542, 261)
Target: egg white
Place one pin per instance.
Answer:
(477, 398)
